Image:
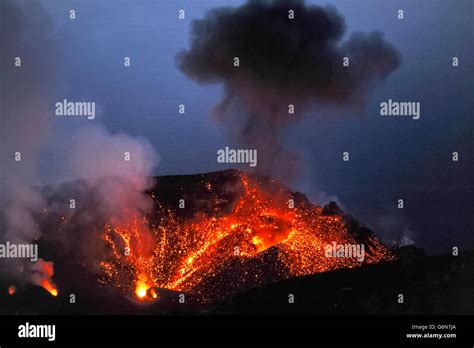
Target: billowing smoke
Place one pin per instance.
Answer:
(115, 172)
(26, 52)
(272, 54)
(116, 166)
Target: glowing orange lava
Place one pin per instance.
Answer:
(49, 286)
(153, 293)
(11, 289)
(42, 272)
(141, 290)
(260, 232)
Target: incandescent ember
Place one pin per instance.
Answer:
(245, 233)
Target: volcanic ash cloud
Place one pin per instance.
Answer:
(288, 52)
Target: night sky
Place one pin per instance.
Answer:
(390, 158)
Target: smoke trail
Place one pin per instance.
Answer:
(281, 61)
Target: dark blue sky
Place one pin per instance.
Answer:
(391, 158)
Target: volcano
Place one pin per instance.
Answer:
(206, 238)
(239, 231)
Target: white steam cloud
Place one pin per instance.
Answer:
(116, 166)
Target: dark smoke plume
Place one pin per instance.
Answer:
(282, 61)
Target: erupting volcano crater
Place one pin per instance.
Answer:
(227, 232)
(208, 236)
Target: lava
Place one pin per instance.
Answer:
(218, 252)
(153, 293)
(144, 290)
(42, 273)
(11, 290)
(141, 290)
(49, 286)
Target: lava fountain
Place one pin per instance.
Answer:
(222, 251)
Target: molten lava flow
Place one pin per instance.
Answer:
(42, 273)
(153, 293)
(49, 286)
(259, 239)
(11, 289)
